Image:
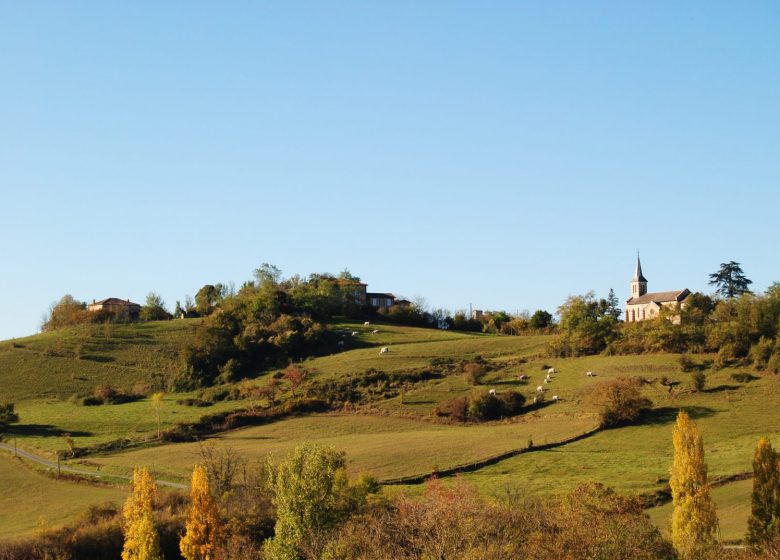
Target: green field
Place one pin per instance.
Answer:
(29, 497)
(391, 434)
(386, 447)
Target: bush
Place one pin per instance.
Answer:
(459, 409)
(513, 402)
(619, 401)
(686, 363)
(473, 372)
(486, 407)
(7, 414)
(761, 352)
(698, 381)
(743, 377)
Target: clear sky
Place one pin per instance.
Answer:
(505, 154)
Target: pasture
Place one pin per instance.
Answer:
(30, 498)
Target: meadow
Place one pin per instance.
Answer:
(390, 434)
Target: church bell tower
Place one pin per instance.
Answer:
(638, 282)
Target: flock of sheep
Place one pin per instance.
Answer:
(522, 377)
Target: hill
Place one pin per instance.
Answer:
(389, 428)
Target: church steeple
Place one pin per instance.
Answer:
(638, 282)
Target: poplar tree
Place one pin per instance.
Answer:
(142, 541)
(694, 520)
(203, 528)
(764, 522)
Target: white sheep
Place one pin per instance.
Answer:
(546, 381)
(551, 371)
(522, 377)
(366, 323)
(555, 397)
(536, 400)
(540, 389)
(384, 350)
(589, 373)
(492, 392)
(355, 333)
(375, 331)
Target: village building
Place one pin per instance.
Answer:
(380, 300)
(116, 306)
(644, 305)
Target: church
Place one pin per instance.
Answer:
(644, 305)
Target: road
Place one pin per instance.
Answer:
(75, 470)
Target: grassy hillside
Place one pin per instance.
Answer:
(56, 365)
(30, 497)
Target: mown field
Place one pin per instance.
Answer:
(30, 499)
(394, 433)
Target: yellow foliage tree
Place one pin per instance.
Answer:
(694, 520)
(203, 528)
(157, 402)
(142, 541)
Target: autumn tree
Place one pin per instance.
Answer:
(694, 520)
(203, 528)
(730, 280)
(619, 401)
(142, 542)
(154, 309)
(295, 375)
(311, 496)
(764, 522)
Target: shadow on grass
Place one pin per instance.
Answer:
(42, 430)
(668, 414)
(721, 388)
(99, 359)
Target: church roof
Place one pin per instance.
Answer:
(638, 274)
(660, 297)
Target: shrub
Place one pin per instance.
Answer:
(7, 414)
(486, 407)
(459, 409)
(473, 372)
(761, 352)
(513, 402)
(619, 401)
(698, 381)
(686, 363)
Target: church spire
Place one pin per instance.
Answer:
(638, 282)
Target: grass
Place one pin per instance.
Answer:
(383, 446)
(733, 501)
(76, 360)
(29, 496)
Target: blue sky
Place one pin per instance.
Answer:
(504, 154)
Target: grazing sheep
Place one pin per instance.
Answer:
(522, 377)
(384, 350)
(546, 381)
(551, 371)
(589, 373)
(540, 389)
(492, 392)
(366, 323)
(555, 397)
(536, 400)
(375, 331)
(355, 333)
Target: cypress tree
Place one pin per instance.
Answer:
(764, 522)
(142, 542)
(694, 520)
(203, 528)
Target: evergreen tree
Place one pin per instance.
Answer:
(694, 520)
(613, 305)
(764, 522)
(203, 528)
(730, 280)
(142, 542)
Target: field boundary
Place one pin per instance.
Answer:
(492, 460)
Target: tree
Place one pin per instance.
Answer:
(157, 402)
(7, 415)
(619, 401)
(154, 309)
(310, 495)
(207, 298)
(268, 274)
(294, 376)
(541, 319)
(764, 522)
(203, 528)
(585, 327)
(730, 280)
(142, 542)
(694, 520)
(613, 305)
(68, 311)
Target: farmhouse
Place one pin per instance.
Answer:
(644, 305)
(116, 306)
